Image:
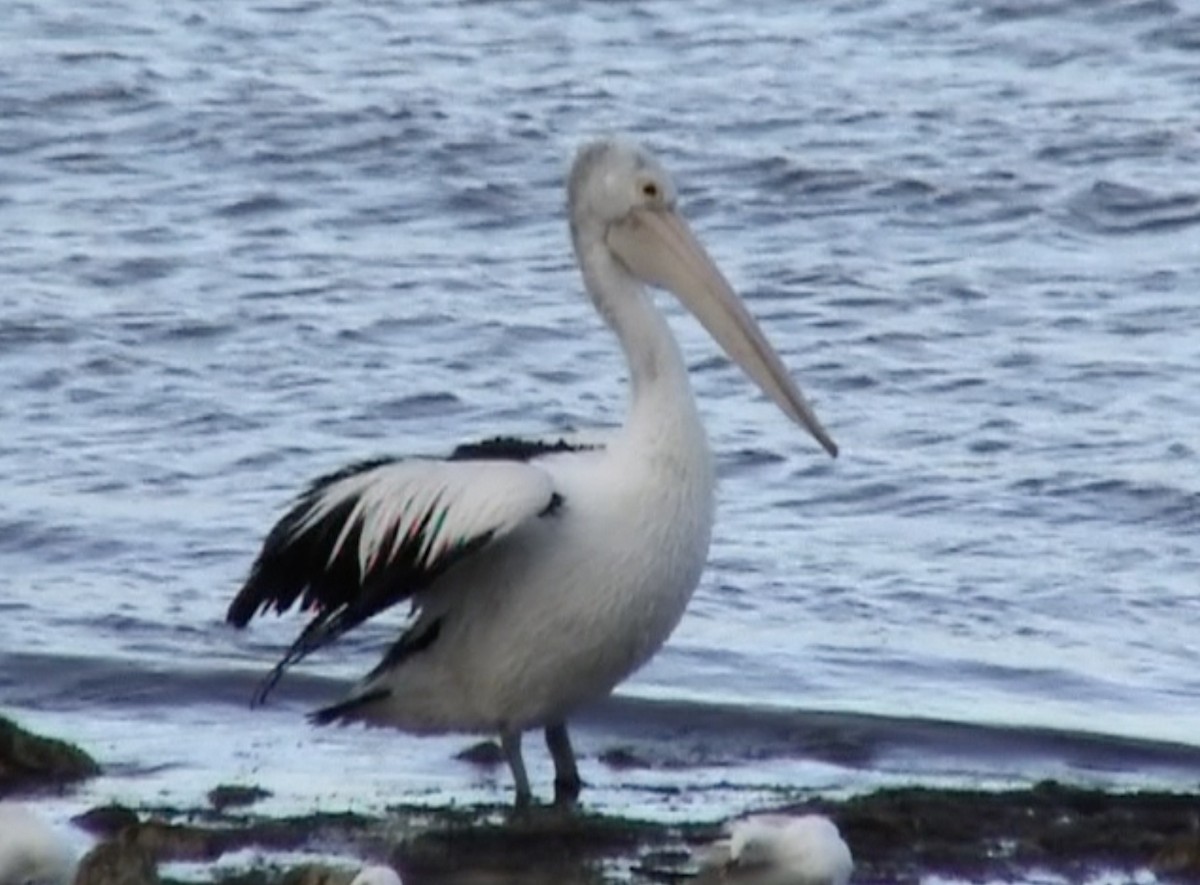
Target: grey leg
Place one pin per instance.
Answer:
(510, 742)
(566, 775)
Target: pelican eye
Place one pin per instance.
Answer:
(650, 189)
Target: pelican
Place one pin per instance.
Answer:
(775, 849)
(540, 573)
(31, 853)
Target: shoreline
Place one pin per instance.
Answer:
(897, 836)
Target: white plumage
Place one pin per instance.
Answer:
(376, 874)
(541, 574)
(464, 499)
(771, 849)
(31, 852)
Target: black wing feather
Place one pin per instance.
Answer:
(513, 448)
(298, 563)
(295, 564)
(290, 564)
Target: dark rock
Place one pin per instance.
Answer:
(29, 762)
(304, 874)
(1180, 856)
(898, 836)
(203, 835)
(316, 874)
(235, 796)
(623, 759)
(118, 862)
(105, 820)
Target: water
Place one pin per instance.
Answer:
(241, 245)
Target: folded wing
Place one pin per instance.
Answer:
(367, 537)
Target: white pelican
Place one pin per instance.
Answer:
(775, 849)
(31, 852)
(541, 574)
(375, 874)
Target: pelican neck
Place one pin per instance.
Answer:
(661, 393)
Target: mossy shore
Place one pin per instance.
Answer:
(29, 761)
(897, 835)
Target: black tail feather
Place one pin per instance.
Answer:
(320, 631)
(272, 679)
(332, 713)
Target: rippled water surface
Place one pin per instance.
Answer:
(241, 244)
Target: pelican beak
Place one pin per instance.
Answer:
(660, 249)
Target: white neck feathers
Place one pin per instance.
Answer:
(662, 399)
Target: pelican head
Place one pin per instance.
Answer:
(620, 196)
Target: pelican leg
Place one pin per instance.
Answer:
(566, 775)
(510, 743)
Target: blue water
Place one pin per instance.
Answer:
(241, 244)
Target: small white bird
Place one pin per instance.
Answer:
(377, 874)
(774, 849)
(31, 852)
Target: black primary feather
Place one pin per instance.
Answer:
(297, 564)
(286, 568)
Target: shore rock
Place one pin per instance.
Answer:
(117, 863)
(29, 762)
(898, 836)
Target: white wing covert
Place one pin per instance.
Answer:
(423, 512)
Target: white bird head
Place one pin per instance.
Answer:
(612, 177)
(376, 874)
(31, 853)
(621, 199)
(783, 850)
